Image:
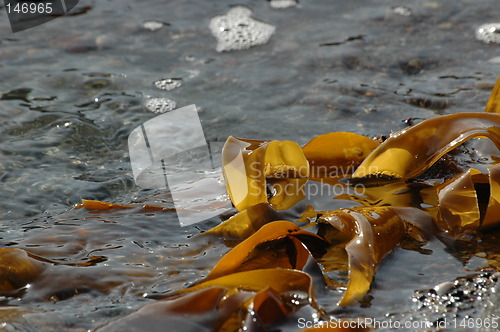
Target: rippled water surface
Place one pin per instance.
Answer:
(73, 89)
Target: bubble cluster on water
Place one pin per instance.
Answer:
(402, 10)
(467, 296)
(168, 83)
(237, 30)
(489, 33)
(153, 25)
(160, 105)
(279, 4)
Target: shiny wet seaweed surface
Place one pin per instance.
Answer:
(73, 89)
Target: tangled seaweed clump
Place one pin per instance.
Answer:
(283, 245)
(269, 274)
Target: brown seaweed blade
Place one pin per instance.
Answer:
(493, 104)
(94, 205)
(246, 222)
(492, 216)
(248, 163)
(171, 313)
(281, 280)
(247, 300)
(17, 269)
(241, 254)
(394, 193)
(374, 232)
(98, 205)
(458, 204)
(410, 152)
(337, 154)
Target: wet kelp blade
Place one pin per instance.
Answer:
(373, 233)
(239, 302)
(492, 216)
(390, 193)
(412, 151)
(469, 201)
(286, 192)
(246, 222)
(493, 104)
(98, 205)
(297, 256)
(337, 154)
(281, 280)
(458, 204)
(248, 163)
(17, 269)
(186, 313)
(268, 306)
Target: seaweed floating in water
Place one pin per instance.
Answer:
(267, 276)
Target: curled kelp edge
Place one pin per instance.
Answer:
(374, 232)
(250, 300)
(337, 154)
(410, 152)
(296, 253)
(17, 269)
(462, 205)
(493, 104)
(245, 223)
(247, 164)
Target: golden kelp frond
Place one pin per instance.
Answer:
(98, 205)
(268, 306)
(458, 204)
(493, 104)
(492, 216)
(286, 192)
(419, 224)
(463, 205)
(281, 280)
(337, 154)
(247, 164)
(171, 313)
(394, 193)
(373, 233)
(410, 152)
(295, 253)
(248, 300)
(17, 269)
(245, 223)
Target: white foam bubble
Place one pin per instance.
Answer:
(153, 25)
(489, 33)
(237, 30)
(160, 105)
(168, 83)
(402, 10)
(280, 4)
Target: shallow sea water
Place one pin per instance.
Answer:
(73, 89)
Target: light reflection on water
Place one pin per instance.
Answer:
(73, 90)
